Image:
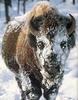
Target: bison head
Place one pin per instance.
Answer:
(52, 36)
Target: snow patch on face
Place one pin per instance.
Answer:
(43, 54)
(60, 45)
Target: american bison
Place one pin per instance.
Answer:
(35, 47)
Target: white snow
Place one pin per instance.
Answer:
(68, 91)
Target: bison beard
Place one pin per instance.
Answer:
(36, 47)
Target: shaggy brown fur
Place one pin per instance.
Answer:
(19, 41)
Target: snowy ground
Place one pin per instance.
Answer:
(68, 91)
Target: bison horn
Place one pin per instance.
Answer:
(71, 24)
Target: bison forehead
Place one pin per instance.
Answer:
(43, 7)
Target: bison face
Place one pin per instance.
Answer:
(53, 47)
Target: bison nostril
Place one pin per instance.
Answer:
(52, 57)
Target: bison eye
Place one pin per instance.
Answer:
(40, 45)
(63, 44)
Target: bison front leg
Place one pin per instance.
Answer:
(23, 94)
(50, 94)
(29, 86)
(36, 92)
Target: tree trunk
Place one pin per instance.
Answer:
(6, 11)
(24, 1)
(73, 1)
(64, 0)
(18, 6)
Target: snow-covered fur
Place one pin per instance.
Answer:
(35, 47)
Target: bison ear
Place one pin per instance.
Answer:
(71, 25)
(36, 22)
(32, 40)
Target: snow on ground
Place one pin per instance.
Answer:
(68, 91)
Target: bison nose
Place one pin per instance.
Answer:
(52, 57)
